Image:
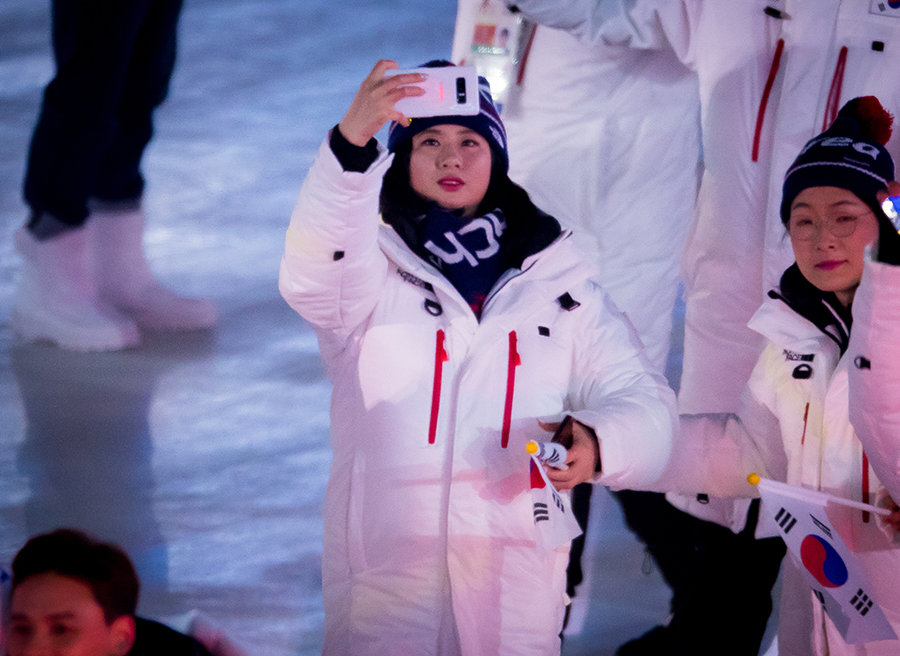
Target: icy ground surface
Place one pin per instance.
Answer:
(206, 455)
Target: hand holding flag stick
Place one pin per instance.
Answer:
(583, 453)
(572, 455)
(549, 453)
(556, 526)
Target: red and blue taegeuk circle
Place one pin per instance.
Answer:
(823, 562)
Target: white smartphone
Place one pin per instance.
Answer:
(449, 91)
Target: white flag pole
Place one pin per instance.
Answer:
(784, 488)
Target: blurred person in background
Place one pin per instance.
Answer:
(86, 284)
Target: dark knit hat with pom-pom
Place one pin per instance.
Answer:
(850, 155)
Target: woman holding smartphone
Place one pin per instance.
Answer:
(449, 328)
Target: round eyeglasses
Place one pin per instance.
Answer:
(804, 228)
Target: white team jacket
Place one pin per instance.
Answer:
(832, 51)
(874, 372)
(429, 532)
(794, 426)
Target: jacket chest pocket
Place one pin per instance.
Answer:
(397, 349)
(396, 363)
(544, 371)
(525, 376)
(799, 410)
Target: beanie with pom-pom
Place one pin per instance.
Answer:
(850, 155)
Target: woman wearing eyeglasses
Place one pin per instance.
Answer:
(794, 422)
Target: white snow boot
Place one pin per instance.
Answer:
(57, 299)
(124, 278)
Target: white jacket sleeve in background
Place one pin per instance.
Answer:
(607, 140)
(874, 371)
(332, 270)
(714, 453)
(644, 24)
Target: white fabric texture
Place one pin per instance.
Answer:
(430, 548)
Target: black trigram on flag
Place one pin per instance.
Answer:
(819, 596)
(541, 514)
(822, 527)
(558, 501)
(861, 602)
(785, 520)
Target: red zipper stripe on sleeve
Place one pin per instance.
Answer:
(833, 104)
(440, 357)
(764, 101)
(865, 486)
(514, 361)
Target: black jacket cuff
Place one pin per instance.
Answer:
(350, 156)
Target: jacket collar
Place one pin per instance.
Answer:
(554, 270)
(797, 310)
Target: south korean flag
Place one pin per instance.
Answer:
(832, 571)
(885, 8)
(556, 525)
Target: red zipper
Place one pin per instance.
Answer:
(764, 101)
(865, 486)
(805, 417)
(440, 357)
(833, 104)
(514, 361)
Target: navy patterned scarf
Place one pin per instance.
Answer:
(470, 253)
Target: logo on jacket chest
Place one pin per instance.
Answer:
(413, 280)
(803, 369)
(432, 307)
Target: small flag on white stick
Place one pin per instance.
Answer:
(553, 454)
(830, 568)
(553, 516)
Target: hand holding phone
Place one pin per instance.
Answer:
(563, 434)
(449, 91)
(373, 104)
